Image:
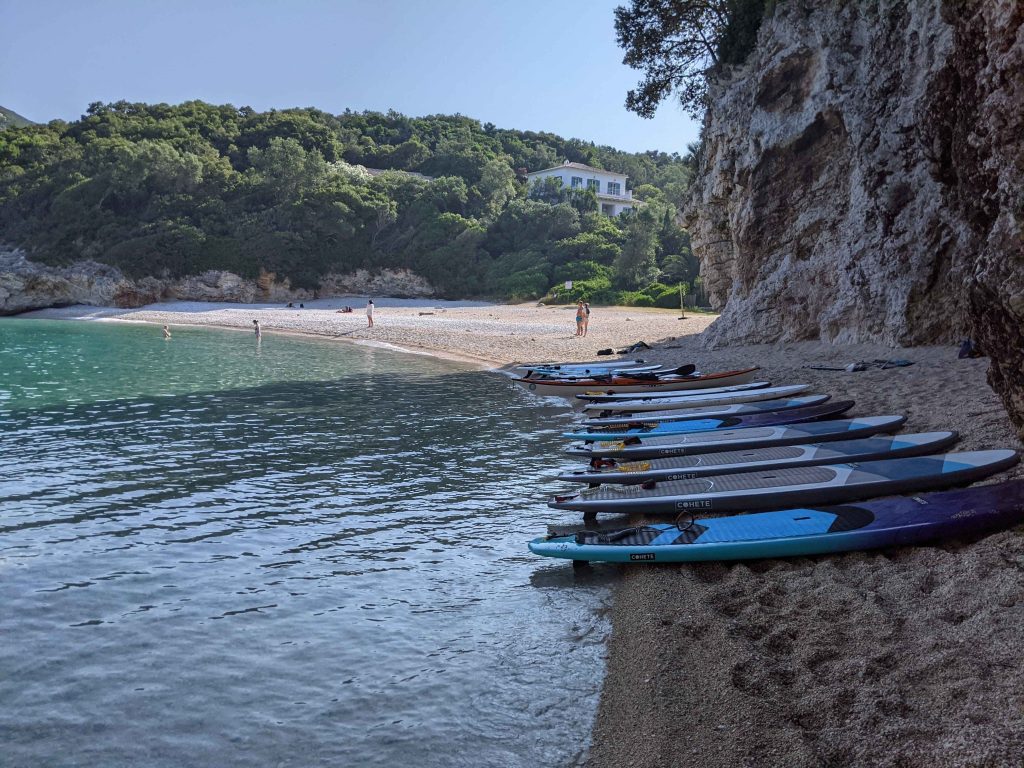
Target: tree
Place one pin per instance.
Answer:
(174, 190)
(636, 265)
(675, 43)
(497, 186)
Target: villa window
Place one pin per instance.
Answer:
(577, 182)
(614, 188)
(594, 184)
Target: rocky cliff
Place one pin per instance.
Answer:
(861, 180)
(26, 285)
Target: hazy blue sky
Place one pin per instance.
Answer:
(530, 64)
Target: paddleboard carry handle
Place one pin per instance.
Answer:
(684, 521)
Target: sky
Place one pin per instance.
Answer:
(550, 65)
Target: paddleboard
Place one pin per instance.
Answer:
(889, 522)
(728, 462)
(647, 373)
(789, 486)
(605, 363)
(736, 439)
(707, 411)
(768, 418)
(547, 387)
(577, 373)
(598, 396)
(678, 402)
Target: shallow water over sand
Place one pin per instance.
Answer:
(296, 553)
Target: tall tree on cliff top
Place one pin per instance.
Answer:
(676, 42)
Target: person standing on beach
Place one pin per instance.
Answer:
(369, 313)
(586, 316)
(167, 332)
(579, 318)
(256, 328)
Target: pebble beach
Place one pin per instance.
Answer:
(492, 335)
(899, 657)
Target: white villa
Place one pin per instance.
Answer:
(610, 188)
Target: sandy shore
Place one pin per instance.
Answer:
(495, 335)
(904, 657)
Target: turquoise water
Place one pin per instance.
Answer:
(215, 551)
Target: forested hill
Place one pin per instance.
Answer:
(11, 119)
(176, 190)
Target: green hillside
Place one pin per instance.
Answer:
(11, 119)
(168, 190)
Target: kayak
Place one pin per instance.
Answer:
(791, 486)
(888, 522)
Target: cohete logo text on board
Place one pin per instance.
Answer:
(702, 504)
(642, 556)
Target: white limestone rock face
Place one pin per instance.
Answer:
(399, 283)
(862, 180)
(27, 285)
(816, 214)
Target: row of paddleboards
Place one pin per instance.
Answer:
(780, 455)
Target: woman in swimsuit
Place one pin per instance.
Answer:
(579, 318)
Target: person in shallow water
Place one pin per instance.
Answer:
(256, 328)
(167, 332)
(369, 313)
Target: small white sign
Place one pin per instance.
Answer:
(568, 285)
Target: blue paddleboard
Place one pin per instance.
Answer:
(888, 522)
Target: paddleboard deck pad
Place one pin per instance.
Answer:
(736, 439)
(766, 419)
(889, 522)
(728, 462)
(767, 489)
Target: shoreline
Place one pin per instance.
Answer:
(784, 662)
(489, 337)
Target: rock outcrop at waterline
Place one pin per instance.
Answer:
(27, 285)
(861, 180)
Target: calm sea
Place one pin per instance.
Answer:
(215, 552)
